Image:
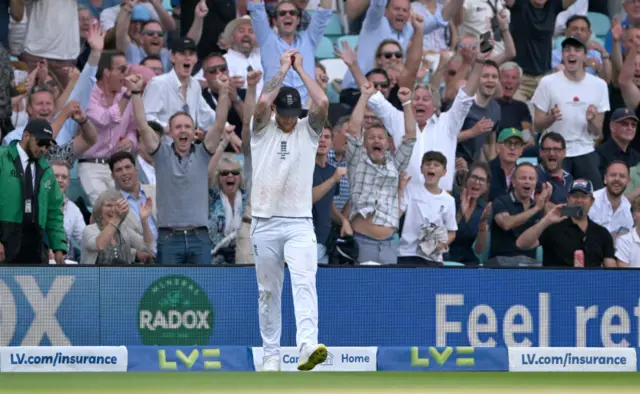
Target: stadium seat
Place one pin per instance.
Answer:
(334, 28)
(325, 49)
(532, 160)
(332, 95)
(352, 40)
(558, 41)
(539, 254)
(452, 264)
(335, 68)
(600, 23)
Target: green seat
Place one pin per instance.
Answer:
(532, 160)
(452, 264)
(334, 28)
(600, 23)
(351, 40)
(324, 49)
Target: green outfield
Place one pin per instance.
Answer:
(326, 382)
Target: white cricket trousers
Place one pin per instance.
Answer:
(278, 240)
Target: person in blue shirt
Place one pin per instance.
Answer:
(96, 7)
(632, 9)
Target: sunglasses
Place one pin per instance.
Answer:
(229, 172)
(290, 12)
(217, 69)
(44, 143)
(381, 85)
(151, 33)
(51, 84)
(389, 55)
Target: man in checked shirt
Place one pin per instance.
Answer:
(374, 175)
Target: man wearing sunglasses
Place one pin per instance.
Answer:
(31, 206)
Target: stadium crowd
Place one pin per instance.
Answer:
(475, 132)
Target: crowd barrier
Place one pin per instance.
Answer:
(340, 359)
(361, 307)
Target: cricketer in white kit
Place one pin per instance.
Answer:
(283, 151)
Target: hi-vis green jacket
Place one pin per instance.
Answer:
(49, 202)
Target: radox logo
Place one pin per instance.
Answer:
(175, 311)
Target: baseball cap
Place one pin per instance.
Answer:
(140, 13)
(623, 113)
(581, 185)
(511, 132)
(575, 40)
(40, 129)
(184, 44)
(288, 102)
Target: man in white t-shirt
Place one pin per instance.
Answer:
(572, 103)
(283, 151)
(430, 216)
(628, 246)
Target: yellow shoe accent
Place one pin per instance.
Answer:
(316, 357)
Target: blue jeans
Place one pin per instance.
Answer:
(184, 246)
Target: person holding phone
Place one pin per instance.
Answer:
(567, 228)
(628, 245)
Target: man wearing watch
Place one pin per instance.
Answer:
(212, 67)
(111, 113)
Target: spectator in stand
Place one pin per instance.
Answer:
(53, 33)
(151, 37)
(561, 236)
(480, 127)
(305, 17)
(125, 174)
(243, 52)
(552, 152)
(144, 160)
(111, 113)
(336, 158)
(623, 127)
(108, 241)
(7, 77)
(472, 216)
(598, 61)
(510, 147)
(85, 20)
(154, 63)
(95, 7)
(572, 103)
(326, 185)
(515, 113)
(611, 209)
(440, 39)
(477, 17)
(288, 38)
(177, 91)
(430, 216)
(31, 200)
(532, 26)
(74, 223)
(628, 245)
(373, 179)
(213, 24)
(145, 10)
(182, 169)
(632, 10)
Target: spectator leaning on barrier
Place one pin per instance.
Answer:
(628, 245)
(31, 200)
(561, 236)
(74, 223)
(510, 146)
(552, 153)
(623, 125)
(611, 209)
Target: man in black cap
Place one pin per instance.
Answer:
(283, 152)
(31, 200)
(623, 127)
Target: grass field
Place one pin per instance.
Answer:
(373, 382)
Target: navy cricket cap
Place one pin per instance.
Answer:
(184, 44)
(575, 41)
(581, 185)
(40, 129)
(623, 113)
(288, 102)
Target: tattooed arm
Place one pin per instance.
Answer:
(319, 109)
(269, 93)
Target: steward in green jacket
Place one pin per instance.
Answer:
(31, 217)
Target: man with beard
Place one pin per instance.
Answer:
(514, 213)
(611, 209)
(482, 123)
(514, 113)
(510, 147)
(243, 52)
(628, 246)
(561, 236)
(623, 127)
(572, 103)
(553, 149)
(181, 171)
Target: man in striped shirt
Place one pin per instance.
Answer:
(336, 158)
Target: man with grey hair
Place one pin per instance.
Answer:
(514, 113)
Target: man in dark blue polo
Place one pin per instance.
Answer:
(623, 126)
(509, 148)
(553, 149)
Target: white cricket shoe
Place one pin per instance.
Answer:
(310, 356)
(271, 364)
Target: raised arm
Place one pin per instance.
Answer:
(122, 26)
(474, 79)
(17, 9)
(147, 134)
(166, 20)
(350, 58)
(630, 91)
(530, 238)
(269, 94)
(319, 109)
(195, 32)
(404, 94)
(357, 116)
(212, 138)
(407, 77)
(253, 78)
(509, 45)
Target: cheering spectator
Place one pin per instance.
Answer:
(632, 11)
(441, 38)
(336, 158)
(481, 16)
(243, 54)
(572, 103)
(142, 11)
(628, 245)
(532, 26)
(611, 209)
(31, 200)
(552, 152)
(73, 219)
(514, 113)
(85, 20)
(153, 63)
(213, 24)
(561, 236)
(374, 179)
(513, 214)
(623, 127)
(510, 147)
(472, 215)
(125, 175)
(96, 7)
(111, 113)
(288, 38)
(107, 241)
(430, 216)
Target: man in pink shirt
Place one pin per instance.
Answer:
(111, 113)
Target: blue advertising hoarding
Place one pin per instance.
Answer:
(204, 306)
